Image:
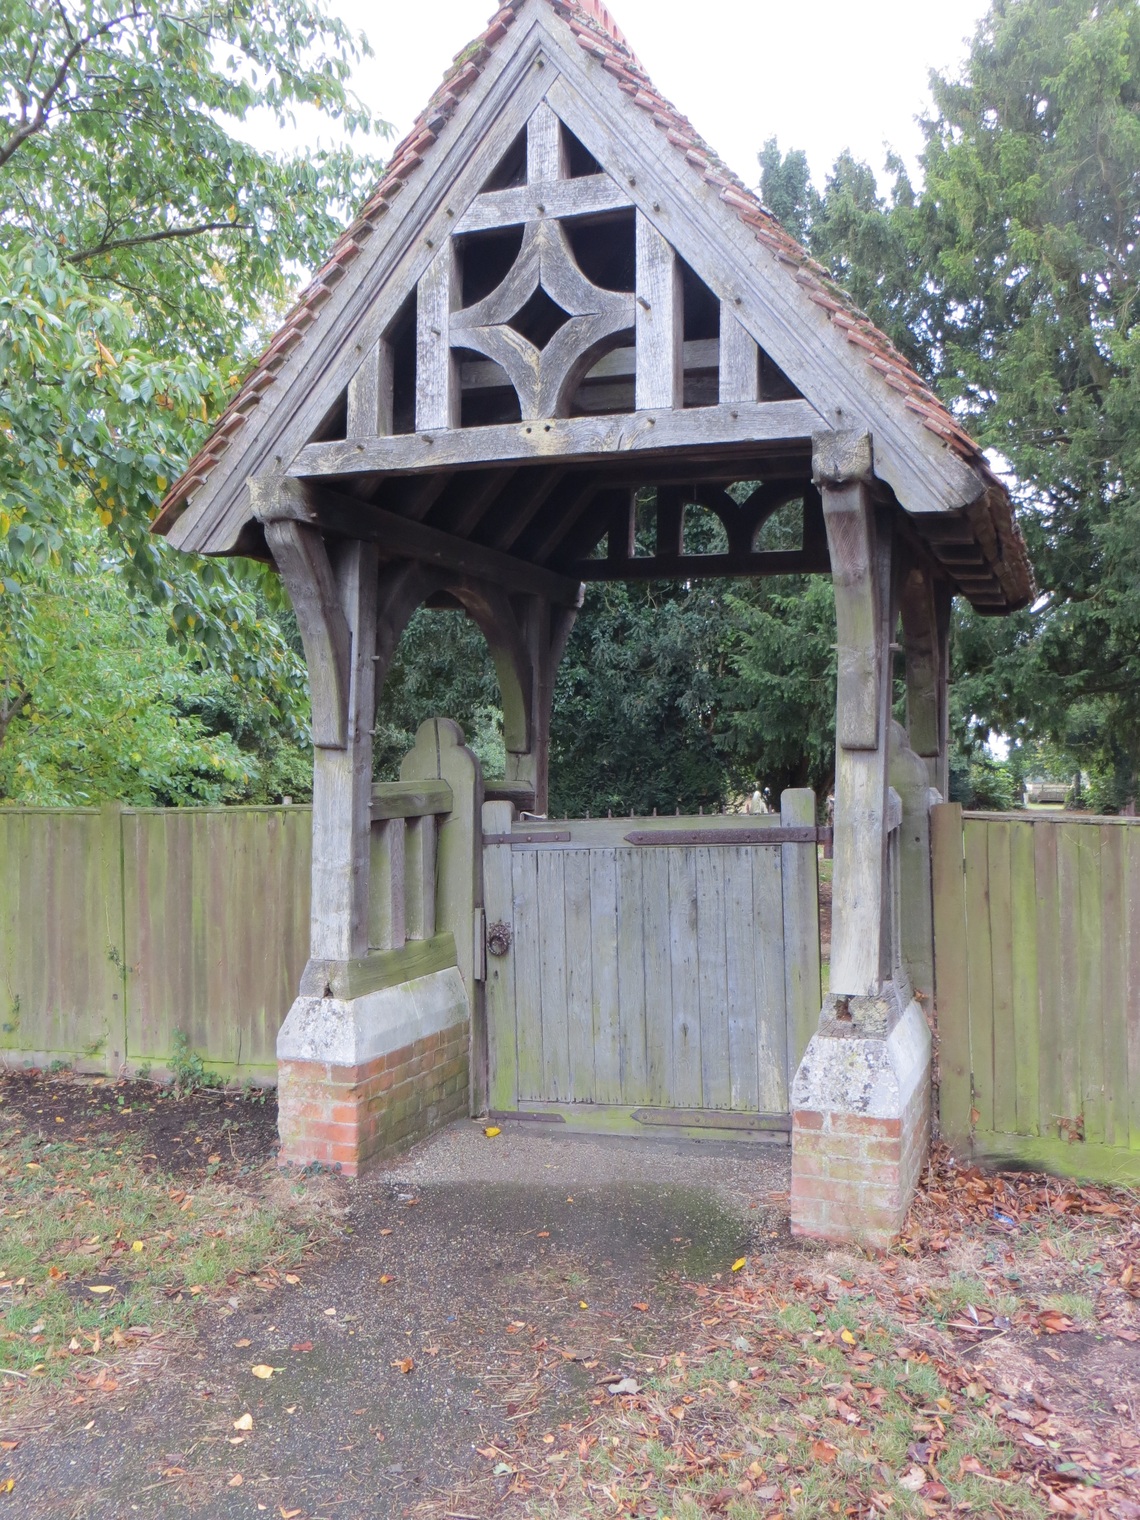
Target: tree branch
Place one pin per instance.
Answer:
(10, 708)
(30, 125)
(114, 244)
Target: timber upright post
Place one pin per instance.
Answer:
(374, 1052)
(861, 1098)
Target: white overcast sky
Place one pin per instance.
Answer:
(820, 75)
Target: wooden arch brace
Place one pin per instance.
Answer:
(302, 559)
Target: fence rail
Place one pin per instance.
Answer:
(1037, 967)
(120, 928)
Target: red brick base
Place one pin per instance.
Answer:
(350, 1116)
(853, 1177)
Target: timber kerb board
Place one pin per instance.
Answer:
(653, 975)
(1037, 987)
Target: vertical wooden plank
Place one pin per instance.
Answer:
(686, 997)
(552, 974)
(437, 374)
(951, 984)
(980, 968)
(741, 931)
(498, 891)
(528, 974)
(1090, 1008)
(603, 959)
(631, 978)
(1001, 952)
(1113, 1010)
(419, 878)
(1052, 1033)
(579, 975)
(370, 394)
(739, 359)
(775, 1028)
(712, 977)
(1026, 1005)
(799, 865)
(1131, 1002)
(660, 321)
(658, 979)
(545, 150)
(387, 875)
(1070, 990)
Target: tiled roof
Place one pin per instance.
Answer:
(597, 33)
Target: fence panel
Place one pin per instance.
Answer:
(217, 916)
(61, 936)
(1037, 973)
(121, 928)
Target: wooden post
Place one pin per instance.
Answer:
(860, 545)
(437, 374)
(546, 630)
(342, 778)
(926, 605)
(660, 321)
(334, 596)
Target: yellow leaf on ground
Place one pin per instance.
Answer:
(739, 1265)
(236, 1481)
(847, 1338)
(264, 1372)
(491, 1131)
(137, 1245)
(100, 1287)
(386, 1278)
(292, 1279)
(244, 1421)
(243, 1343)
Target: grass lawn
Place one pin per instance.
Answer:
(105, 1256)
(989, 1366)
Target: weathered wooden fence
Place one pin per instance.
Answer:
(122, 927)
(1037, 973)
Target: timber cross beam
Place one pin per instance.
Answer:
(400, 538)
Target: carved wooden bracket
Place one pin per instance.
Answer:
(302, 560)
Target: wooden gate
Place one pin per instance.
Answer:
(656, 973)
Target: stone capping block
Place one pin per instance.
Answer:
(868, 1065)
(336, 1032)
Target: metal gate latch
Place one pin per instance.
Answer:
(499, 938)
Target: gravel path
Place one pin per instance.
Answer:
(521, 1271)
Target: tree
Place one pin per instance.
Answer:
(143, 249)
(1010, 277)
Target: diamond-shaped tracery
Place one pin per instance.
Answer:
(571, 329)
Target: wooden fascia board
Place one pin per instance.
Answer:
(925, 475)
(576, 440)
(369, 296)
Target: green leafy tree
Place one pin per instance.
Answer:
(144, 246)
(1010, 277)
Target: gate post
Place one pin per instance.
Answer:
(375, 1052)
(861, 1099)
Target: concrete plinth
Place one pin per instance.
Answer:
(861, 1117)
(361, 1080)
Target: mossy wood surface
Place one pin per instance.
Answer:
(121, 928)
(1037, 971)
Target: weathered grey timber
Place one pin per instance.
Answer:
(584, 923)
(558, 313)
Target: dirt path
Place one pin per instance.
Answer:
(486, 1290)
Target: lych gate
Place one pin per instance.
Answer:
(558, 309)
